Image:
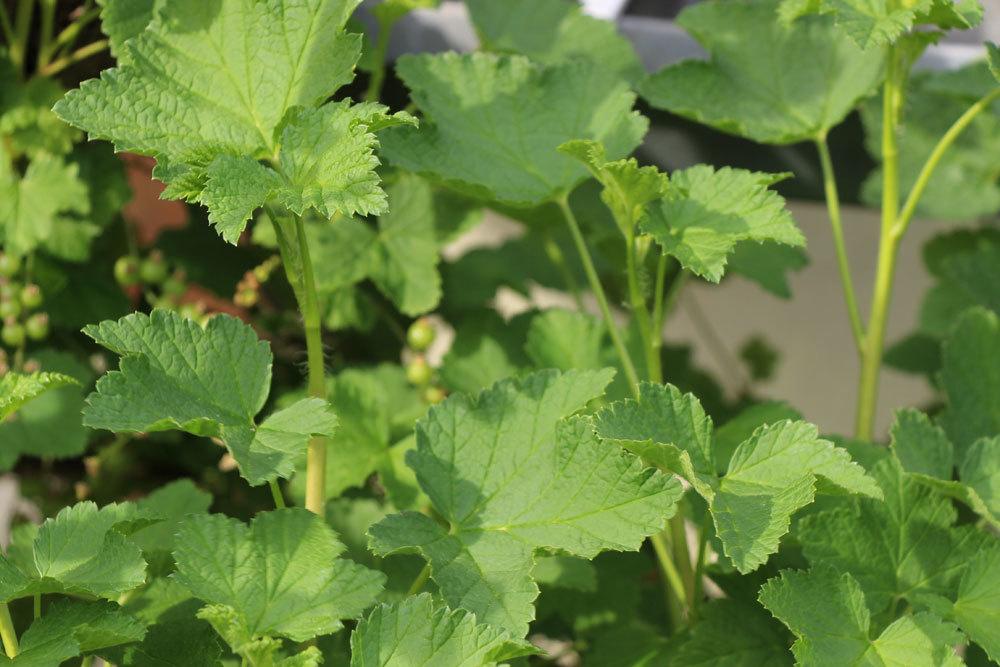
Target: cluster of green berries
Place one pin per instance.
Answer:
(151, 273)
(419, 373)
(248, 289)
(162, 284)
(19, 304)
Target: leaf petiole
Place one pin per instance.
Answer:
(598, 289)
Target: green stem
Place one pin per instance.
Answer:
(380, 54)
(6, 25)
(674, 583)
(949, 137)
(641, 314)
(299, 269)
(7, 633)
(871, 352)
(279, 498)
(47, 17)
(67, 37)
(558, 259)
(598, 289)
(37, 606)
(22, 26)
(843, 264)
(87, 661)
(682, 556)
(699, 571)
(419, 582)
(82, 53)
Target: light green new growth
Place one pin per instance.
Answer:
(706, 212)
(741, 91)
(210, 382)
(82, 551)
(17, 389)
(832, 624)
(415, 631)
(234, 127)
(494, 123)
(771, 475)
(511, 475)
(278, 577)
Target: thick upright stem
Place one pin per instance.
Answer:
(598, 289)
(294, 246)
(7, 633)
(22, 26)
(843, 264)
(316, 454)
(871, 352)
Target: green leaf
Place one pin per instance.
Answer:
(211, 382)
(771, 475)
(873, 23)
(977, 605)
(49, 425)
(971, 379)
(495, 122)
(993, 59)
(706, 212)
(730, 435)
(920, 446)
(279, 576)
(768, 264)
(212, 108)
(666, 427)
(414, 632)
(826, 611)
(980, 471)
(925, 452)
(510, 475)
(566, 339)
(740, 91)
(628, 188)
(734, 633)
(903, 547)
(180, 642)
(170, 503)
(486, 350)
(34, 205)
(553, 31)
(26, 120)
(121, 20)
(72, 627)
(17, 389)
(78, 552)
(406, 256)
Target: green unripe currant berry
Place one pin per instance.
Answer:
(246, 297)
(434, 395)
(127, 271)
(419, 372)
(37, 326)
(9, 265)
(190, 311)
(12, 334)
(31, 296)
(420, 334)
(153, 269)
(175, 285)
(9, 309)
